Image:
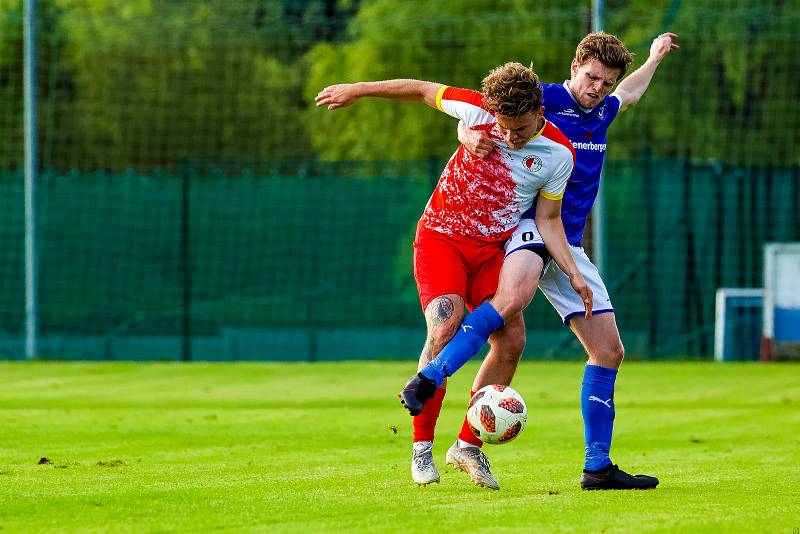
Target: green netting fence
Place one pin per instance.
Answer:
(316, 264)
(194, 204)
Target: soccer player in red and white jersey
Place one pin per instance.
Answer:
(476, 206)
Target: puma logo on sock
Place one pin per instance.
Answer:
(601, 401)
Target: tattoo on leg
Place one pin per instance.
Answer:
(438, 312)
(427, 350)
(441, 310)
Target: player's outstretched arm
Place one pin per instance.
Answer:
(631, 89)
(475, 141)
(346, 94)
(548, 220)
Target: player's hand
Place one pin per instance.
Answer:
(663, 45)
(476, 142)
(337, 96)
(582, 289)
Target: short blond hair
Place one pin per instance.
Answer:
(605, 48)
(512, 89)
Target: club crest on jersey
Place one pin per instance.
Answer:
(533, 163)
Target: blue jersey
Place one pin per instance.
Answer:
(586, 130)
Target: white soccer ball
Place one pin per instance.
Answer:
(497, 414)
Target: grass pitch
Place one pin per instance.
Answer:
(164, 447)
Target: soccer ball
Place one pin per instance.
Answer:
(496, 414)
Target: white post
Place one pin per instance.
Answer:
(31, 165)
(598, 210)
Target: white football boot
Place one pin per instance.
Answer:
(423, 470)
(473, 462)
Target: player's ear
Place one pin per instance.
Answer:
(574, 67)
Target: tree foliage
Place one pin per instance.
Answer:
(160, 82)
(147, 84)
(11, 107)
(451, 43)
(724, 96)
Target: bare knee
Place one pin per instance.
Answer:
(510, 348)
(600, 339)
(517, 284)
(501, 363)
(510, 304)
(610, 356)
(617, 354)
(509, 342)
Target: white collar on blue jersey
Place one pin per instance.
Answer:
(585, 110)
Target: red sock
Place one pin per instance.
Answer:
(466, 434)
(425, 422)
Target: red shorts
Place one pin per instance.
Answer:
(446, 264)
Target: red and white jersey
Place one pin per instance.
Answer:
(484, 199)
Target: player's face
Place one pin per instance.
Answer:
(591, 82)
(517, 131)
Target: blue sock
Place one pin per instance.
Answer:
(597, 407)
(471, 336)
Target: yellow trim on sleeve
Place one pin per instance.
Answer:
(439, 95)
(550, 196)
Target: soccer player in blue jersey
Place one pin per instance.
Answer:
(583, 109)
